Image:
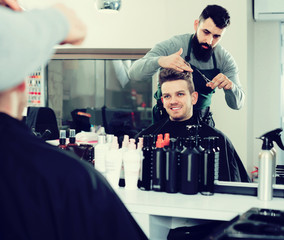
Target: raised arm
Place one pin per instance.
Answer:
(28, 38)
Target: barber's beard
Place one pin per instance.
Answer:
(199, 52)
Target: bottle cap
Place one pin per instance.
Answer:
(101, 139)
(109, 138)
(167, 139)
(140, 143)
(132, 145)
(72, 133)
(159, 143)
(72, 136)
(125, 141)
(114, 144)
(62, 134)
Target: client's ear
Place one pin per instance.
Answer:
(194, 98)
(21, 87)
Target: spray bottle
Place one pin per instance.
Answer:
(267, 164)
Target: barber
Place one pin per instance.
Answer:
(212, 66)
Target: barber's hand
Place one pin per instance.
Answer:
(77, 29)
(175, 61)
(220, 81)
(13, 4)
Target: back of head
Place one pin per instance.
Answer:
(168, 74)
(218, 14)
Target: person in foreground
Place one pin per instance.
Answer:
(179, 97)
(47, 193)
(212, 65)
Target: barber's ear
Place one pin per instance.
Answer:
(194, 98)
(196, 23)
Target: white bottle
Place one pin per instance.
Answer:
(100, 154)
(113, 164)
(131, 160)
(139, 149)
(123, 149)
(267, 164)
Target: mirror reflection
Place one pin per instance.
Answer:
(100, 88)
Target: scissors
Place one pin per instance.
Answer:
(203, 76)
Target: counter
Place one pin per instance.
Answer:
(157, 212)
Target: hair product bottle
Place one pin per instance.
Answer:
(190, 167)
(146, 176)
(123, 149)
(139, 149)
(267, 164)
(62, 139)
(113, 163)
(159, 166)
(171, 180)
(72, 138)
(100, 154)
(207, 168)
(132, 164)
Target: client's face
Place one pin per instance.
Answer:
(177, 100)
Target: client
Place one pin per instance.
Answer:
(179, 96)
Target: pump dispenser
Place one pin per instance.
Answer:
(267, 164)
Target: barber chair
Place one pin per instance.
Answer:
(42, 121)
(119, 122)
(81, 120)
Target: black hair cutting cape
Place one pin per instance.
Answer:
(48, 194)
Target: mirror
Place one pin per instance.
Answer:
(254, 45)
(99, 86)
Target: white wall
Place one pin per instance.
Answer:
(266, 96)
(141, 24)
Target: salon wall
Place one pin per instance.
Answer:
(141, 24)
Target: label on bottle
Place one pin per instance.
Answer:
(216, 172)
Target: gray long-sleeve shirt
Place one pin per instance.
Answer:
(145, 67)
(27, 40)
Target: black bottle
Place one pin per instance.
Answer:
(190, 167)
(159, 166)
(171, 180)
(146, 179)
(207, 167)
